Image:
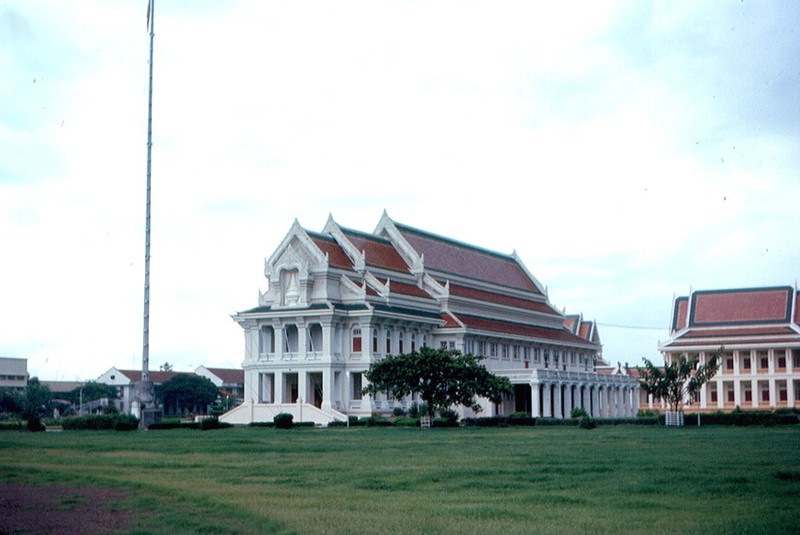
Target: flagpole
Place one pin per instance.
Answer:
(145, 393)
(146, 334)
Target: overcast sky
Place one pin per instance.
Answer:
(628, 151)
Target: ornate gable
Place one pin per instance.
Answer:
(291, 269)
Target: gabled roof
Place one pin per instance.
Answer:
(449, 256)
(229, 375)
(500, 299)
(562, 336)
(157, 377)
(735, 317)
(741, 307)
(378, 252)
(336, 256)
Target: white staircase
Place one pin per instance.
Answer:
(266, 412)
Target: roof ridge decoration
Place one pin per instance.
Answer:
(357, 257)
(382, 289)
(414, 260)
(527, 272)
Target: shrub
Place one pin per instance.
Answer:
(450, 415)
(587, 423)
(283, 420)
(101, 422)
(398, 411)
(579, 412)
(213, 423)
(35, 424)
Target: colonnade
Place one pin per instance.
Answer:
(555, 394)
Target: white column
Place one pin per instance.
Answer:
(595, 393)
(755, 394)
(773, 391)
(737, 392)
(327, 388)
(789, 362)
(302, 341)
(327, 341)
(568, 400)
(277, 332)
(703, 396)
(720, 394)
(278, 381)
(558, 398)
(789, 390)
(626, 402)
(536, 411)
(546, 400)
(635, 398)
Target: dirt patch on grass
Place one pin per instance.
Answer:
(63, 510)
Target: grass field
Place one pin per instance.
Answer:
(624, 479)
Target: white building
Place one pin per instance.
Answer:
(759, 329)
(340, 299)
(13, 373)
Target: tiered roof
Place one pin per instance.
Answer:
(736, 318)
(403, 269)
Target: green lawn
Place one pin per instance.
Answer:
(623, 479)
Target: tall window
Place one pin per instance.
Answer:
(413, 342)
(356, 340)
(388, 342)
(375, 341)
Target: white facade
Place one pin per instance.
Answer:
(341, 299)
(13, 373)
(759, 331)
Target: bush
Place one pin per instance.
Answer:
(587, 423)
(101, 422)
(450, 415)
(35, 424)
(413, 410)
(283, 420)
(398, 411)
(579, 412)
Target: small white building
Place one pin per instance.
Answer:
(341, 299)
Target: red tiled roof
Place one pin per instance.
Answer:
(157, 377)
(690, 342)
(228, 375)
(797, 309)
(379, 252)
(681, 313)
(404, 288)
(336, 255)
(555, 335)
(448, 256)
(492, 297)
(742, 331)
(741, 306)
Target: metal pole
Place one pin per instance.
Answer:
(146, 334)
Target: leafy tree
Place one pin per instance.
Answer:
(680, 379)
(92, 391)
(185, 392)
(37, 398)
(442, 378)
(11, 401)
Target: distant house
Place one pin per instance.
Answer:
(228, 380)
(125, 379)
(760, 331)
(13, 373)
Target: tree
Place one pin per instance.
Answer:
(37, 398)
(680, 379)
(91, 391)
(442, 378)
(186, 392)
(11, 401)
